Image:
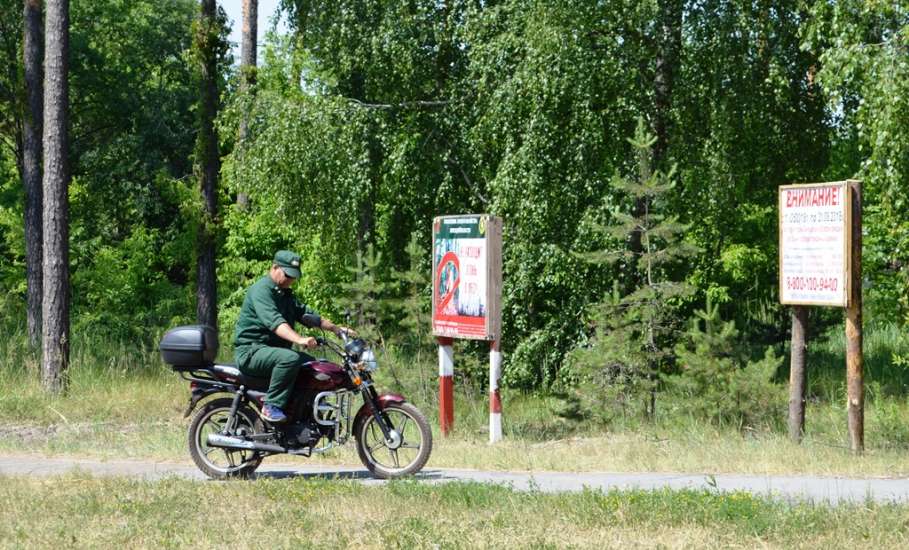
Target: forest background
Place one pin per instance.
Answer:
(367, 118)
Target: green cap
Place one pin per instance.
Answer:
(289, 262)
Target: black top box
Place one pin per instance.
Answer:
(189, 346)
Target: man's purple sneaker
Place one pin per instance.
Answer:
(272, 414)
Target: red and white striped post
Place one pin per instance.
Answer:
(495, 402)
(446, 384)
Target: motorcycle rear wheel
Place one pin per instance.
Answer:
(389, 461)
(217, 462)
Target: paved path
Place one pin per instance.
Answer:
(817, 489)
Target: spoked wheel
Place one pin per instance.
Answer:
(217, 462)
(407, 451)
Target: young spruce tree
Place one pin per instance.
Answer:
(414, 311)
(364, 295)
(722, 384)
(633, 331)
(414, 306)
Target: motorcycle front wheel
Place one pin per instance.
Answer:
(217, 462)
(408, 451)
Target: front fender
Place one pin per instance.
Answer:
(384, 400)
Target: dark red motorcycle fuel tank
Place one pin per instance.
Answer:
(322, 375)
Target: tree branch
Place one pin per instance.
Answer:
(402, 105)
(451, 159)
(467, 180)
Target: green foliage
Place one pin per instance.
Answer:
(137, 282)
(747, 118)
(128, 289)
(373, 118)
(719, 381)
(363, 299)
(12, 242)
(888, 426)
(12, 94)
(863, 48)
(615, 374)
(131, 217)
(414, 307)
(370, 118)
(632, 345)
(547, 104)
(130, 135)
(210, 50)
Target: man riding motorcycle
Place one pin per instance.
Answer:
(265, 334)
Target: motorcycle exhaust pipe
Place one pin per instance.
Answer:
(225, 441)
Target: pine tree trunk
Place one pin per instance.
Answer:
(250, 34)
(31, 165)
(247, 72)
(669, 36)
(668, 46)
(366, 206)
(55, 304)
(208, 166)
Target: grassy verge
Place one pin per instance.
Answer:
(77, 511)
(123, 403)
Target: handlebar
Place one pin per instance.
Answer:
(342, 334)
(325, 342)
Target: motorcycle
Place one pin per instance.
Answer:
(228, 437)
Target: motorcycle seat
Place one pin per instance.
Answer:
(230, 373)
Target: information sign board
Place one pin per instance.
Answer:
(815, 232)
(467, 276)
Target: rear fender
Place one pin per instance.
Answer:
(198, 394)
(384, 400)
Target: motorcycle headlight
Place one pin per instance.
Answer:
(368, 361)
(354, 348)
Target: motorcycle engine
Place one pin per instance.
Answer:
(301, 434)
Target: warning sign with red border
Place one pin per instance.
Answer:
(815, 242)
(467, 276)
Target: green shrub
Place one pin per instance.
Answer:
(721, 384)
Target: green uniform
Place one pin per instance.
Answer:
(258, 350)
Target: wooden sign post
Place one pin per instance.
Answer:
(820, 265)
(798, 378)
(855, 380)
(466, 303)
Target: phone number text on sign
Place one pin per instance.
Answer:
(812, 283)
(814, 243)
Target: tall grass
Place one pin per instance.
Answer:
(107, 381)
(883, 376)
